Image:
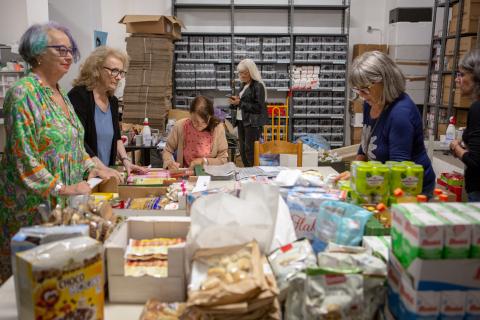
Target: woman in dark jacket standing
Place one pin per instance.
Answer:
(468, 80)
(249, 109)
(97, 107)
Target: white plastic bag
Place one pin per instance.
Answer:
(259, 213)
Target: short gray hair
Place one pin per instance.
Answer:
(471, 63)
(374, 67)
(35, 41)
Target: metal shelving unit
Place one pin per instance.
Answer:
(291, 7)
(434, 99)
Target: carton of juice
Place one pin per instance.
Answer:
(422, 236)
(458, 231)
(472, 214)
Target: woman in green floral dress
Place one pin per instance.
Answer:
(44, 156)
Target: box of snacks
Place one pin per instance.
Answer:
(147, 253)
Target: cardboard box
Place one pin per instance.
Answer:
(409, 52)
(469, 25)
(461, 116)
(466, 44)
(154, 24)
(356, 120)
(356, 106)
(413, 68)
(359, 49)
(437, 274)
(356, 133)
(140, 289)
(471, 8)
(139, 191)
(410, 33)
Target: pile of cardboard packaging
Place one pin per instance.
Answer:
(148, 88)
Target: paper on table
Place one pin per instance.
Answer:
(271, 169)
(223, 170)
(93, 182)
(288, 178)
(202, 184)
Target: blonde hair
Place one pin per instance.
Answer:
(249, 64)
(90, 70)
(375, 67)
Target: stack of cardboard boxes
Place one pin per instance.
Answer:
(409, 46)
(468, 25)
(148, 88)
(356, 107)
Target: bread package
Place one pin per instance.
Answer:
(61, 280)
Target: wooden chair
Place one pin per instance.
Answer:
(277, 147)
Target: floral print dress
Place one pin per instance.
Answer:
(43, 147)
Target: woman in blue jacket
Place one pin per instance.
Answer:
(392, 125)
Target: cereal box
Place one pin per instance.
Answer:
(61, 280)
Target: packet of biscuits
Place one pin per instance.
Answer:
(226, 275)
(61, 280)
(157, 310)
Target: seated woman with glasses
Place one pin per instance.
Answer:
(392, 125)
(468, 80)
(197, 140)
(97, 107)
(44, 157)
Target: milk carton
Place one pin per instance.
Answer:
(452, 304)
(422, 236)
(418, 304)
(458, 231)
(472, 307)
(472, 214)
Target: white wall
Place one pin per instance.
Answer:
(82, 18)
(17, 15)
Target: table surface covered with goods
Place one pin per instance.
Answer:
(221, 242)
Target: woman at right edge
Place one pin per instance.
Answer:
(249, 112)
(468, 80)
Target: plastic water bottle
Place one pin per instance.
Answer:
(146, 133)
(451, 131)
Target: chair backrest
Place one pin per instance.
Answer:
(277, 147)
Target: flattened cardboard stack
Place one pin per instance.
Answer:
(148, 88)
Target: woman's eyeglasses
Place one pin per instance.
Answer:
(63, 51)
(116, 72)
(357, 91)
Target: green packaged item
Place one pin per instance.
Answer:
(472, 214)
(409, 178)
(457, 231)
(422, 233)
(371, 182)
(375, 228)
